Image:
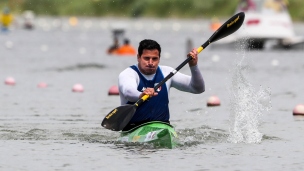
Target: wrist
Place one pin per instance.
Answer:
(192, 65)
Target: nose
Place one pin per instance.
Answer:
(150, 61)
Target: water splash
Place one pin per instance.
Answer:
(247, 104)
(194, 136)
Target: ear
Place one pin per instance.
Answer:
(138, 57)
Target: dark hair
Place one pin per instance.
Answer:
(126, 41)
(148, 44)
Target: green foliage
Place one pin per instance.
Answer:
(296, 9)
(129, 8)
(138, 8)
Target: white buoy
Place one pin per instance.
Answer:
(138, 26)
(104, 25)
(82, 50)
(176, 26)
(299, 110)
(215, 58)
(275, 62)
(213, 101)
(44, 48)
(167, 55)
(88, 24)
(157, 26)
(78, 88)
(9, 44)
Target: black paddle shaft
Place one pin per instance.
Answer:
(140, 101)
(173, 73)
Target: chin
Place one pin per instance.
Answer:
(149, 72)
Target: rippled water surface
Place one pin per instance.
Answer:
(54, 128)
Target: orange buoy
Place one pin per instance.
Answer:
(298, 110)
(113, 90)
(77, 88)
(213, 101)
(215, 24)
(73, 21)
(42, 85)
(10, 81)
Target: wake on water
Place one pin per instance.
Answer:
(246, 104)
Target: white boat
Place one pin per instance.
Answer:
(267, 25)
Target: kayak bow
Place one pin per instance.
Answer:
(160, 134)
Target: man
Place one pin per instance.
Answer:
(126, 49)
(6, 19)
(138, 80)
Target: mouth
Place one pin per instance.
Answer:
(150, 67)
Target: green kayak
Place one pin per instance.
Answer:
(160, 134)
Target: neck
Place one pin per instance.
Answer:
(144, 73)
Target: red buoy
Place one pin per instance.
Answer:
(10, 81)
(78, 88)
(42, 85)
(113, 90)
(299, 110)
(213, 101)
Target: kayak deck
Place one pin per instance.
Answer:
(160, 134)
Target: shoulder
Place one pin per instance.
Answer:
(127, 72)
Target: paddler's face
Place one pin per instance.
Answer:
(148, 61)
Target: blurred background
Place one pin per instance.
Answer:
(25, 13)
(60, 60)
(127, 8)
(137, 8)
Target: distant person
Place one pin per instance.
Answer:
(6, 19)
(126, 49)
(112, 49)
(28, 17)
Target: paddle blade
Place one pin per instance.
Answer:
(229, 27)
(119, 117)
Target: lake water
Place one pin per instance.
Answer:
(54, 128)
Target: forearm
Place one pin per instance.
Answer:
(193, 84)
(130, 94)
(197, 81)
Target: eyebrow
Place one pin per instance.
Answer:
(150, 56)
